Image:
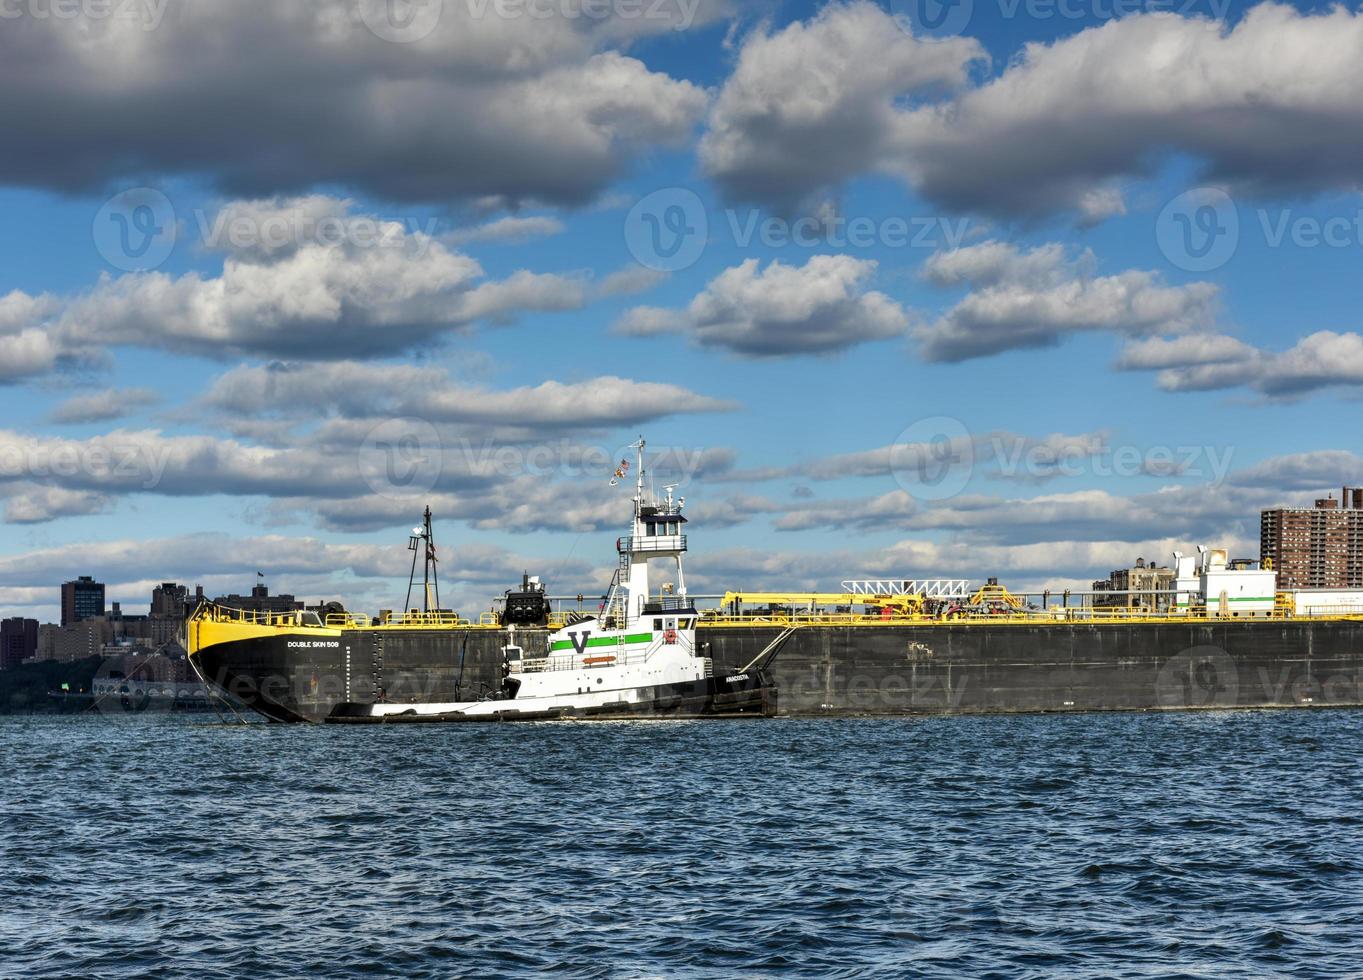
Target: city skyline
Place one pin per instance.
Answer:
(488, 250)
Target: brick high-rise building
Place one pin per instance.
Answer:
(1318, 547)
(170, 603)
(18, 641)
(82, 599)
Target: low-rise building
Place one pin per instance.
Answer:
(260, 600)
(74, 642)
(1148, 588)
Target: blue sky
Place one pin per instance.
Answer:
(1106, 270)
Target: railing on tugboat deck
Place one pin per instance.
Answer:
(573, 661)
(668, 604)
(663, 542)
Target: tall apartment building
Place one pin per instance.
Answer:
(82, 599)
(18, 641)
(169, 601)
(1318, 547)
(170, 604)
(74, 642)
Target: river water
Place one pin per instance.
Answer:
(1187, 844)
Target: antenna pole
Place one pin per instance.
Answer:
(426, 563)
(433, 561)
(639, 492)
(411, 580)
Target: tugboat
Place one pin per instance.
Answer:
(635, 657)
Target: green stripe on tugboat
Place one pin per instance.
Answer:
(604, 641)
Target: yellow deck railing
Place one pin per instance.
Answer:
(1022, 617)
(304, 619)
(778, 619)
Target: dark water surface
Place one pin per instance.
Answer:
(1200, 844)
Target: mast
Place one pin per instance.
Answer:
(657, 530)
(639, 492)
(431, 573)
(423, 541)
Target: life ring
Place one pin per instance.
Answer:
(670, 636)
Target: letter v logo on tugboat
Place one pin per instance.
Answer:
(580, 640)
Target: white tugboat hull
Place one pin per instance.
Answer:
(749, 694)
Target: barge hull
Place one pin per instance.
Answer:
(946, 669)
(853, 670)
